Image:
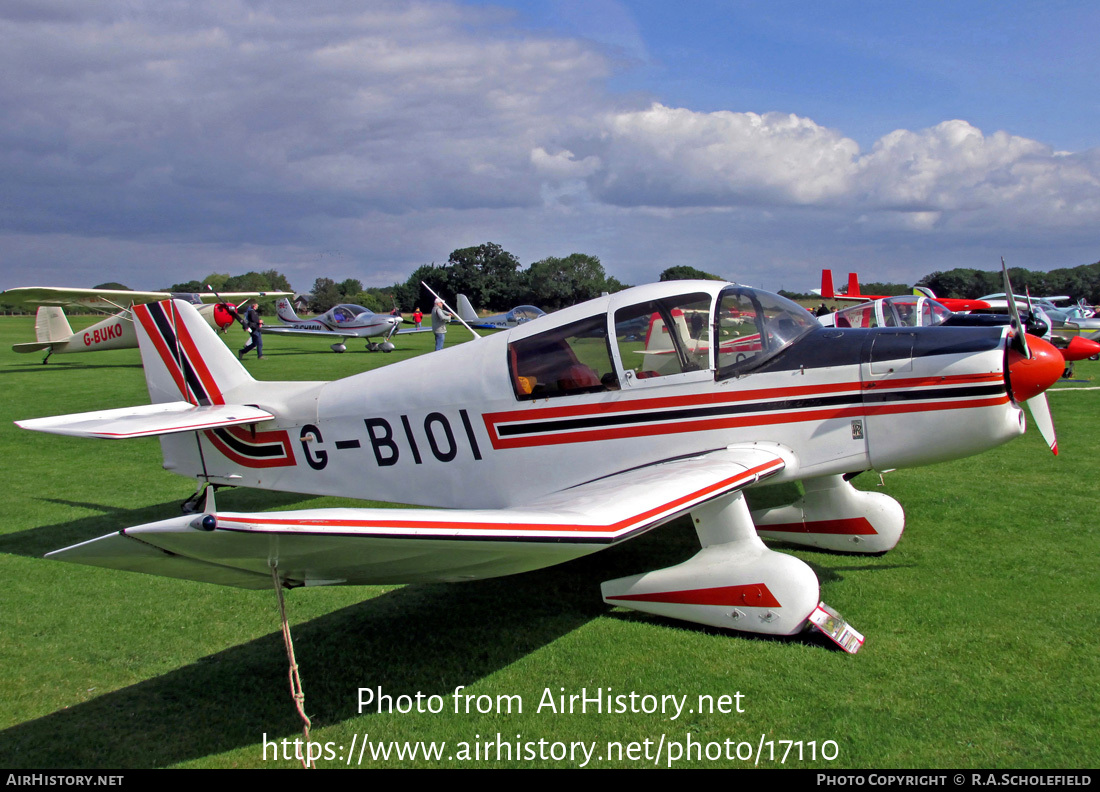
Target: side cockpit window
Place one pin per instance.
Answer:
(751, 327)
(564, 361)
(658, 338)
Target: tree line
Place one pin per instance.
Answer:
(493, 279)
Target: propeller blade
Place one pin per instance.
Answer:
(1040, 413)
(1020, 340)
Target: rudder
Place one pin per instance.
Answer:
(183, 356)
(50, 324)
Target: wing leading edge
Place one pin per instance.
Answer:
(147, 420)
(373, 546)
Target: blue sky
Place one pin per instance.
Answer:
(866, 68)
(154, 142)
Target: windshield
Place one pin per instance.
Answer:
(345, 312)
(752, 326)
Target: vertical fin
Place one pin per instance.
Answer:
(183, 356)
(466, 310)
(827, 290)
(50, 324)
(285, 311)
(853, 285)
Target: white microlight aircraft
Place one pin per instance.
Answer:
(54, 335)
(342, 321)
(500, 321)
(556, 439)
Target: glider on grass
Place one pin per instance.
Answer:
(54, 335)
(565, 436)
(343, 321)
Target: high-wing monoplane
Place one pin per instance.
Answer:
(500, 321)
(562, 437)
(343, 321)
(54, 335)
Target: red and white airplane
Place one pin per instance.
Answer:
(54, 335)
(853, 294)
(562, 437)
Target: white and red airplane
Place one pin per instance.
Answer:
(556, 439)
(343, 321)
(918, 310)
(854, 295)
(54, 335)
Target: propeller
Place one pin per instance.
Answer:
(1034, 365)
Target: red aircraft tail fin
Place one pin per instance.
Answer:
(853, 285)
(827, 290)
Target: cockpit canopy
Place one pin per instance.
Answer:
(666, 335)
(523, 313)
(906, 310)
(345, 312)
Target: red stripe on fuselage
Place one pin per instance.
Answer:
(248, 437)
(733, 422)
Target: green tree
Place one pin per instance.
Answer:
(190, 287)
(216, 281)
(554, 283)
(412, 293)
(487, 274)
(686, 273)
(349, 288)
(113, 285)
(325, 295)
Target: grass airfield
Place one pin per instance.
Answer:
(982, 625)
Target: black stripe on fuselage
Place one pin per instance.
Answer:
(247, 449)
(721, 411)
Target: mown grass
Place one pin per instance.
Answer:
(981, 626)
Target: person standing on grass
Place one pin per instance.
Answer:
(439, 323)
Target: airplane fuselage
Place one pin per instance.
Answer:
(462, 435)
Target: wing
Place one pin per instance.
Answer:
(112, 299)
(147, 420)
(99, 299)
(238, 297)
(369, 546)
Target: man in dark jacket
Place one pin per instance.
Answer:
(252, 323)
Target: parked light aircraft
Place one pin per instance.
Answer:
(917, 310)
(854, 294)
(54, 335)
(500, 321)
(342, 321)
(554, 440)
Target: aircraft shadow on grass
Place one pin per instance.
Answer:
(430, 638)
(36, 542)
(66, 366)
